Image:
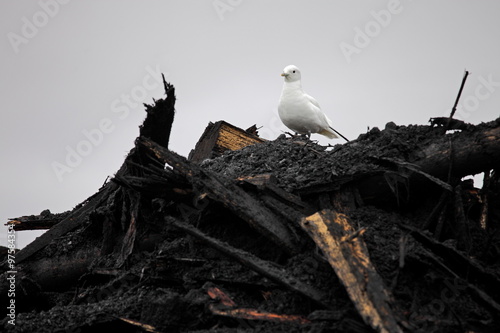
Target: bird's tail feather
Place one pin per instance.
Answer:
(328, 133)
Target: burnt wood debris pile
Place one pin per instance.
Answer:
(378, 234)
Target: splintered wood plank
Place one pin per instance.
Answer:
(234, 138)
(142, 326)
(222, 297)
(348, 256)
(220, 137)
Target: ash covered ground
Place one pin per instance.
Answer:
(165, 285)
(298, 162)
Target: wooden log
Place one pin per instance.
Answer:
(473, 152)
(229, 194)
(347, 254)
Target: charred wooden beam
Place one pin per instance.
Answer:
(42, 224)
(473, 152)
(45, 220)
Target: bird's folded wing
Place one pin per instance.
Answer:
(322, 118)
(329, 121)
(312, 100)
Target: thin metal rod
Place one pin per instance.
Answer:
(459, 94)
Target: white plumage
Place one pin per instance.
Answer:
(299, 111)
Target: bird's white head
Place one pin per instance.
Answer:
(291, 73)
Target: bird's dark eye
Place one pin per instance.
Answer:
(293, 72)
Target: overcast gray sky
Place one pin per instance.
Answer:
(75, 75)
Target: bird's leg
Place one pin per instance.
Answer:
(314, 141)
(311, 146)
(303, 135)
(296, 135)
